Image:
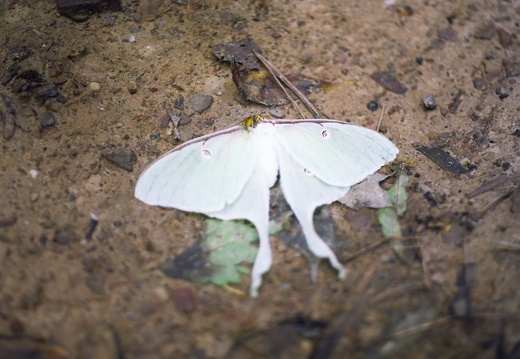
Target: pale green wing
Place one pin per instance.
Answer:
(338, 153)
(253, 202)
(202, 175)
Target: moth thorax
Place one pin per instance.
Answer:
(252, 121)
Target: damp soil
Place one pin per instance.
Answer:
(85, 103)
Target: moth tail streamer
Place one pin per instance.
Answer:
(317, 245)
(262, 264)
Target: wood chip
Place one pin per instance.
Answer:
(443, 159)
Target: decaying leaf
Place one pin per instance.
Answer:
(219, 257)
(257, 85)
(389, 217)
(254, 81)
(242, 52)
(390, 227)
(367, 193)
(230, 244)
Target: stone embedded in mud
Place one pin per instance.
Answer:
(372, 106)
(479, 83)
(64, 235)
(486, 31)
(48, 91)
(198, 103)
(429, 101)
(183, 299)
(7, 220)
(388, 82)
(47, 119)
(122, 157)
(179, 103)
(448, 34)
(504, 38)
(9, 124)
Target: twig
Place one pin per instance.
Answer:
(492, 184)
(380, 118)
(366, 249)
(272, 70)
(278, 74)
(496, 202)
(421, 327)
(506, 246)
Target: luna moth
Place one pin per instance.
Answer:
(228, 174)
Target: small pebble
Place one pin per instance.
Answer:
(8, 125)
(48, 91)
(8, 220)
(94, 86)
(389, 82)
(33, 173)
(183, 299)
(184, 120)
(419, 60)
(179, 103)
(372, 106)
(163, 121)
(117, 223)
(198, 103)
(276, 112)
(161, 293)
(448, 34)
(64, 236)
(429, 102)
(479, 83)
(486, 31)
(47, 119)
(504, 38)
(122, 157)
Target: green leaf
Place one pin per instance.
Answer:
(389, 217)
(229, 243)
(397, 194)
(389, 222)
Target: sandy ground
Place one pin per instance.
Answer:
(107, 83)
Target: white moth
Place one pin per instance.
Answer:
(227, 175)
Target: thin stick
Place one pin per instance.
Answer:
(272, 70)
(278, 74)
(367, 249)
(496, 202)
(421, 327)
(380, 118)
(506, 246)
